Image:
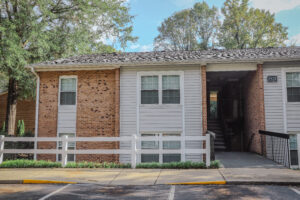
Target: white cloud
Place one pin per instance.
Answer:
(148, 47)
(275, 5)
(134, 46)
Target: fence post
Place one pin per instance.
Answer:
(207, 149)
(298, 149)
(133, 151)
(1, 148)
(64, 154)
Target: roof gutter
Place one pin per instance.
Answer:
(36, 109)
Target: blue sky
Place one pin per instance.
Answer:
(150, 13)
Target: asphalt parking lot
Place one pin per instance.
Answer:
(168, 192)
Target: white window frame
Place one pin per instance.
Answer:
(58, 147)
(159, 135)
(284, 71)
(298, 149)
(160, 74)
(59, 90)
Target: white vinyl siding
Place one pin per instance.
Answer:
(135, 118)
(66, 118)
(280, 115)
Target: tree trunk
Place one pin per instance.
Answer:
(11, 108)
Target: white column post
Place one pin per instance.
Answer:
(160, 148)
(64, 154)
(207, 150)
(182, 148)
(1, 148)
(298, 149)
(133, 151)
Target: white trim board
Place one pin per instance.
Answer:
(231, 67)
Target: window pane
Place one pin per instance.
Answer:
(70, 158)
(293, 142)
(149, 97)
(149, 82)
(68, 85)
(171, 144)
(293, 94)
(67, 98)
(149, 158)
(71, 145)
(294, 157)
(170, 82)
(171, 158)
(150, 144)
(171, 97)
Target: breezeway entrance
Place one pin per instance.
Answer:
(245, 160)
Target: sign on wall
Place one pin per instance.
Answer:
(272, 79)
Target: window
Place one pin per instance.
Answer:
(71, 146)
(174, 157)
(160, 88)
(149, 92)
(170, 89)
(293, 150)
(68, 91)
(293, 86)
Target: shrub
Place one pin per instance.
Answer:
(178, 165)
(21, 128)
(22, 163)
(96, 165)
(215, 164)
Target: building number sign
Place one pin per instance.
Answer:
(272, 79)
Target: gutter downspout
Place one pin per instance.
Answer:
(36, 109)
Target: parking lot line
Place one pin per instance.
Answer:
(172, 192)
(295, 190)
(55, 192)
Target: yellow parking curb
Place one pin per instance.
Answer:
(28, 181)
(200, 183)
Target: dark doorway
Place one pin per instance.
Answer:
(226, 108)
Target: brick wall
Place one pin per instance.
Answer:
(97, 110)
(25, 111)
(254, 111)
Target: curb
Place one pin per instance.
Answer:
(263, 183)
(201, 183)
(29, 181)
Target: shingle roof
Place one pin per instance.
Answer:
(160, 57)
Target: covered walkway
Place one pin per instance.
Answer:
(245, 160)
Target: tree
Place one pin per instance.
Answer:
(189, 29)
(207, 23)
(245, 27)
(36, 30)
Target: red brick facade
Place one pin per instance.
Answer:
(97, 110)
(25, 111)
(254, 110)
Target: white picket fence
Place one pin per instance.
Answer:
(134, 151)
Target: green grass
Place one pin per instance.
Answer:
(179, 165)
(22, 163)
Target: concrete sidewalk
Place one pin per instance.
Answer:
(156, 176)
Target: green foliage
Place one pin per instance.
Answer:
(37, 30)
(189, 29)
(245, 27)
(200, 28)
(178, 165)
(96, 165)
(21, 163)
(21, 128)
(2, 131)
